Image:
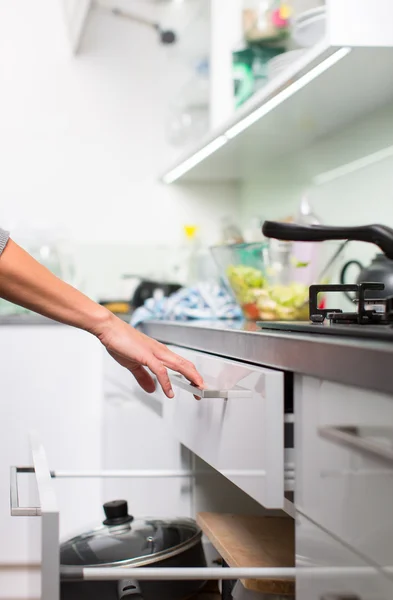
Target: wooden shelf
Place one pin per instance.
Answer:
(247, 541)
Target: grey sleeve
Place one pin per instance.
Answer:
(4, 235)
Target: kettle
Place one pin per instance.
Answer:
(380, 270)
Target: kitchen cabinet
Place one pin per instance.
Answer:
(342, 484)
(50, 382)
(327, 570)
(312, 98)
(75, 14)
(235, 456)
(242, 436)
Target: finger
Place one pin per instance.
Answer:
(144, 379)
(180, 365)
(161, 373)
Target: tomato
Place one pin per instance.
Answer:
(251, 311)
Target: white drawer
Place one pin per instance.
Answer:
(342, 482)
(326, 570)
(121, 388)
(241, 437)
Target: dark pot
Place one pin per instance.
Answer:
(146, 289)
(125, 541)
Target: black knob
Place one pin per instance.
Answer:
(116, 513)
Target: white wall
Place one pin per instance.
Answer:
(358, 196)
(82, 139)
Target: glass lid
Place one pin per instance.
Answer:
(122, 538)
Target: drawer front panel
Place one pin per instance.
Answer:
(243, 436)
(327, 570)
(344, 480)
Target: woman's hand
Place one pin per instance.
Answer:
(135, 351)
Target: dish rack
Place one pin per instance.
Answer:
(49, 514)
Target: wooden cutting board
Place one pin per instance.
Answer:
(247, 541)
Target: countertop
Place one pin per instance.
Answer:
(34, 319)
(26, 319)
(360, 362)
(363, 363)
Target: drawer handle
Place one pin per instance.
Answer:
(16, 509)
(362, 438)
(181, 383)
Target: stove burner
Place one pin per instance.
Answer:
(369, 311)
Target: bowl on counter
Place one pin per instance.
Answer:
(270, 280)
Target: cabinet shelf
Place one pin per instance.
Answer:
(251, 541)
(326, 89)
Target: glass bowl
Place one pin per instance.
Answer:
(270, 280)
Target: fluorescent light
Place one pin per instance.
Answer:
(355, 165)
(286, 93)
(195, 159)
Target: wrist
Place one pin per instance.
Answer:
(101, 320)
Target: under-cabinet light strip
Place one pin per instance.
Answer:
(353, 166)
(257, 114)
(287, 92)
(195, 159)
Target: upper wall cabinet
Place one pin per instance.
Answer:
(75, 14)
(268, 98)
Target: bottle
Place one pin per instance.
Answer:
(305, 255)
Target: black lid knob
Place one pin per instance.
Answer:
(116, 513)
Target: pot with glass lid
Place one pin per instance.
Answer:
(122, 541)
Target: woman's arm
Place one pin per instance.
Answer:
(26, 282)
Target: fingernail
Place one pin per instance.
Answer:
(171, 394)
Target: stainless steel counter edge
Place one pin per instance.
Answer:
(362, 363)
(34, 319)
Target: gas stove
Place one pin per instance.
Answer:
(372, 319)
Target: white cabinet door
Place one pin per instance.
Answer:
(326, 570)
(343, 482)
(135, 438)
(51, 381)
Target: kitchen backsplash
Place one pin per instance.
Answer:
(348, 179)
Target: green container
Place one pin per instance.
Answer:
(250, 70)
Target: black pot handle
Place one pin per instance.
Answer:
(344, 272)
(129, 588)
(380, 235)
